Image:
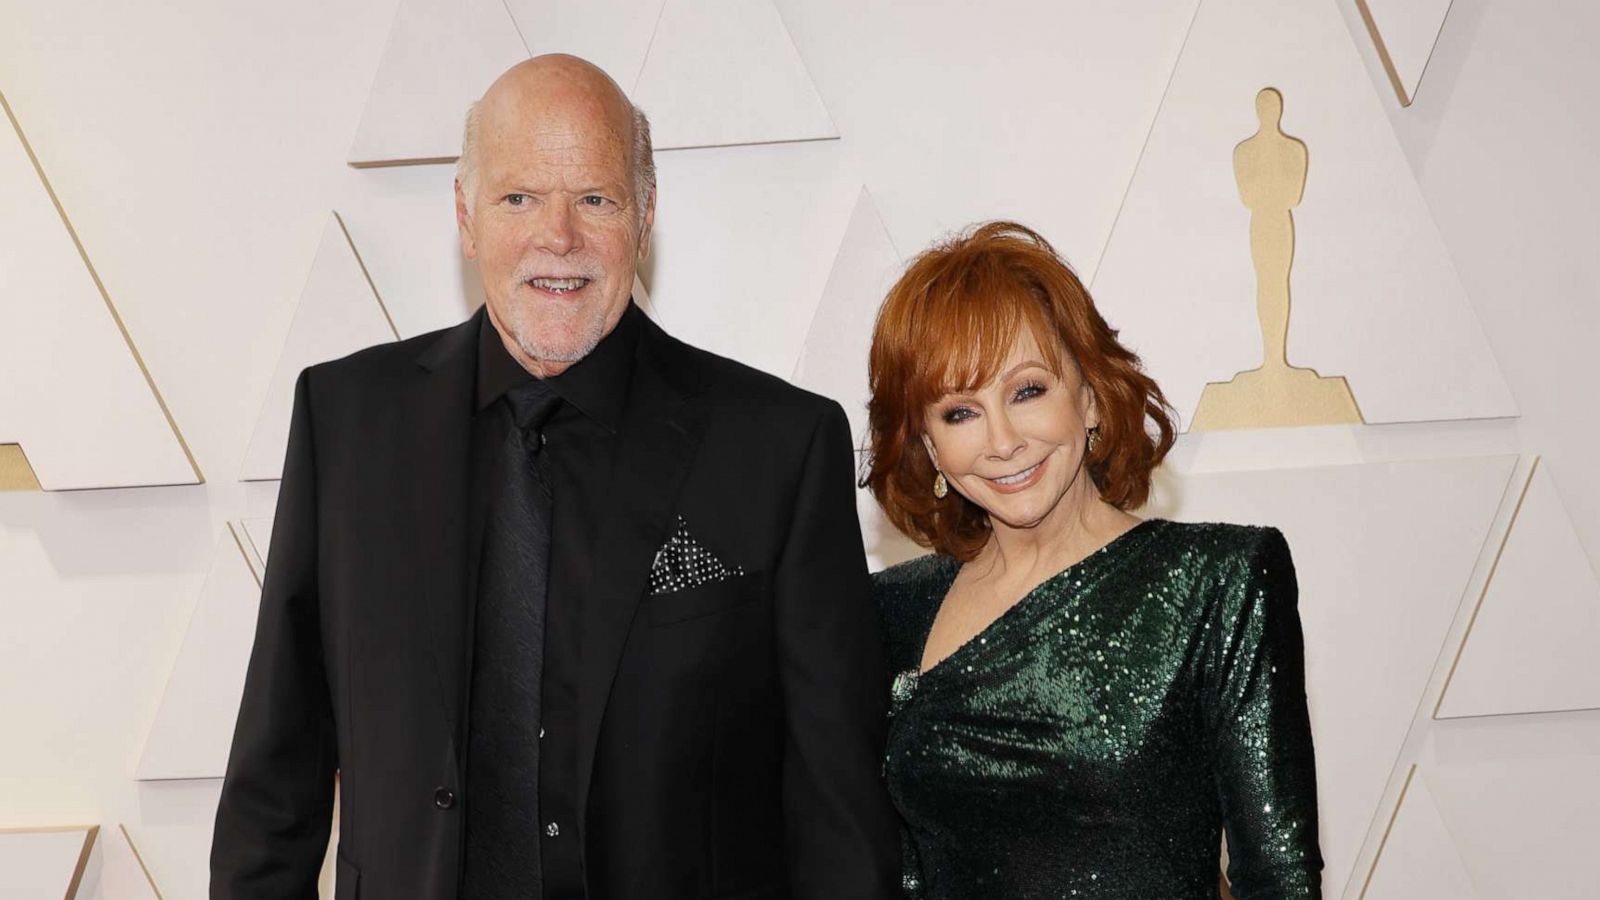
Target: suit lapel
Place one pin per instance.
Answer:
(437, 457)
(655, 444)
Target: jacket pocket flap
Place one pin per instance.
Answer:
(704, 600)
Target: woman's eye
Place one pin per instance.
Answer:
(1029, 391)
(956, 415)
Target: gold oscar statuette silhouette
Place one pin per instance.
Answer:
(1270, 167)
(15, 472)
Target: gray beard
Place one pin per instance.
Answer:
(593, 332)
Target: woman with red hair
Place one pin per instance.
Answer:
(1085, 701)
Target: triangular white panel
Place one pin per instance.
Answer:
(178, 858)
(122, 875)
(612, 34)
(402, 222)
(960, 112)
(1383, 553)
(338, 314)
(833, 360)
(257, 542)
(1527, 821)
(42, 863)
(1535, 642)
(1376, 297)
(724, 72)
(742, 247)
(193, 727)
(1420, 860)
(1405, 32)
(75, 396)
(441, 56)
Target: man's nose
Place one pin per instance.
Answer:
(557, 230)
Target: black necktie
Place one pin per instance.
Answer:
(502, 802)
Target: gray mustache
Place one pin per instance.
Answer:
(566, 269)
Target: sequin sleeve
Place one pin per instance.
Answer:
(911, 870)
(1261, 733)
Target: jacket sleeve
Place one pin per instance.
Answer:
(277, 798)
(841, 833)
(1262, 753)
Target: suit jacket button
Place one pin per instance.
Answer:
(444, 799)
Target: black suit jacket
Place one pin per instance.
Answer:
(729, 735)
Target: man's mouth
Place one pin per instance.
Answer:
(557, 285)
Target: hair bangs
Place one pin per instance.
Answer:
(970, 327)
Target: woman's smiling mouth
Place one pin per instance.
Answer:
(1019, 481)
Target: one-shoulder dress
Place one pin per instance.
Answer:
(1097, 738)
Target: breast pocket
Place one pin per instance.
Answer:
(704, 600)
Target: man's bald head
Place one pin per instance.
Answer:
(555, 90)
(555, 199)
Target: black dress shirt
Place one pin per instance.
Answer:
(579, 441)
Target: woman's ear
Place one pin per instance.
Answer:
(1091, 408)
(927, 444)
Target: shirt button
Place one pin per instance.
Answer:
(552, 830)
(443, 799)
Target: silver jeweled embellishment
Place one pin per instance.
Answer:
(900, 691)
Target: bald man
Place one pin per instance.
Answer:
(571, 609)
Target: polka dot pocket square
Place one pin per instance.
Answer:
(683, 563)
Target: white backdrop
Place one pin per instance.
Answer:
(202, 151)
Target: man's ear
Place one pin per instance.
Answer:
(647, 225)
(469, 241)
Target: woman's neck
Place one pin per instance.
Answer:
(1078, 526)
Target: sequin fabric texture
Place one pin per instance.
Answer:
(682, 563)
(1097, 737)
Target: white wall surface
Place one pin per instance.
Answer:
(200, 149)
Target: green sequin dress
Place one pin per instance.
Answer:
(1095, 739)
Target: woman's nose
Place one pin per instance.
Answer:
(1004, 439)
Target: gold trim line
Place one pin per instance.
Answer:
(1477, 606)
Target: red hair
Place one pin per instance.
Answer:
(948, 325)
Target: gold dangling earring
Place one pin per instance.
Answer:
(1094, 438)
(941, 487)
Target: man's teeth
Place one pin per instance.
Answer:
(1019, 477)
(558, 285)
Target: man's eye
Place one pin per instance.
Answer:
(517, 199)
(595, 200)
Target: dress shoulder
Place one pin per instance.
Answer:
(921, 569)
(907, 597)
(912, 583)
(1224, 543)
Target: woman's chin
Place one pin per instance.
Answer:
(1019, 517)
